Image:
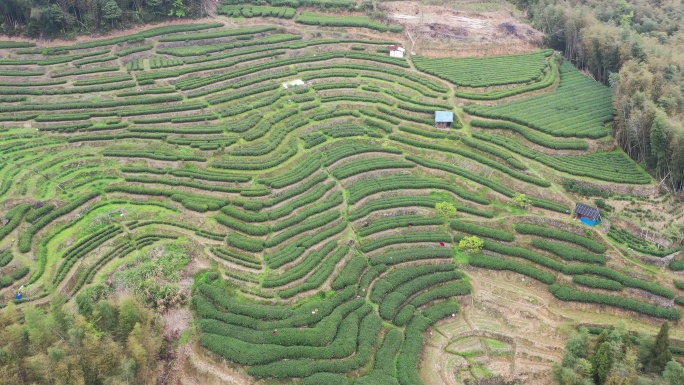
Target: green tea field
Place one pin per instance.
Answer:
(304, 166)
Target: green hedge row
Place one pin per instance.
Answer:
(500, 153)
(483, 231)
(415, 237)
(103, 80)
(428, 133)
(92, 104)
(82, 247)
(301, 170)
(247, 351)
(84, 71)
(383, 117)
(13, 217)
(195, 202)
(349, 276)
(312, 18)
(368, 332)
(242, 94)
(27, 237)
(494, 263)
(285, 255)
(6, 257)
(33, 84)
(614, 166)
(254, 330)
(478, 72)
(398, 277)
(446, 291)
(568, 294)
(67, 91)
(190, 173)
(410, 201)
(216, 34)
(383, 224)
(237, 258)
(577, 269)
(568, 253)
(411, 254)
(597, 283)
(356, 167)
(641, 245)
(245, 243)
(318, 278)
(247, 228)
(404, 116)
(149, 91)
(20, 73)
(393, 302)
(531, 135)
(410, 354)
(38, 213)
(150, 154)
(549, 77)
(15, 44)
(476, 157)
(581, 107)
(547, 232)
(311, 224)
(139, 48)
(330, 202)
(92, 60)
(254, 11)
(364, 188)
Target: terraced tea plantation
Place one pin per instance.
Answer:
(307, 167)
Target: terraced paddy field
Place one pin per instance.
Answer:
(304, 168)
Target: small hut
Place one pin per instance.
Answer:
(397, 51)
(587, 214)
(444, 119)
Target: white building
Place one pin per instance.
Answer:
(397, 51)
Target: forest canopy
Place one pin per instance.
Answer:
(68, 18)
(637, 48)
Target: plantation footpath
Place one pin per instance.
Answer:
(308, 169)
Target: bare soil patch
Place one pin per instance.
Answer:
(457, 30)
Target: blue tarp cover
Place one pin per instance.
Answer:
(589, 222)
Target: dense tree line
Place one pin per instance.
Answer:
(637, 48)
(105, 342)
(67, 18)
(617, 357)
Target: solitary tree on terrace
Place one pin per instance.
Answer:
(521, 200)
(471, 244)
(445, 210)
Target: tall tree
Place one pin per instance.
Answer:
(111, 12)
(659, 139)
(659, 354)
(601, 362)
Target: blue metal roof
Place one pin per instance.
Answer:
(444, 117)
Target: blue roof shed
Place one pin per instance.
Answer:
(444, 117)
(587, 214)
